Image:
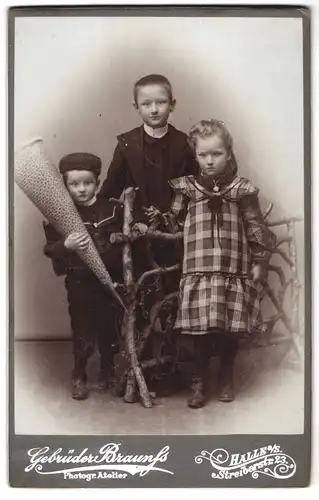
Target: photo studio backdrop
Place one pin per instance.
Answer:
(73, 87)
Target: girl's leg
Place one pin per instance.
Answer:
(197, 398)
(228, 352)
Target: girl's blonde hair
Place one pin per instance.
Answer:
(207, 128)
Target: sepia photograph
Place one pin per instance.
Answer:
(159, 241)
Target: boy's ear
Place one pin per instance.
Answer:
(98, 182)
(135, 106)
(173, 104)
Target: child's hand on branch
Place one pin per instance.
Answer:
(77, 241)
(152, 214)
(139, 228)
(257, 273)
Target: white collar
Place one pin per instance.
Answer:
(157, 133)
(90, 202)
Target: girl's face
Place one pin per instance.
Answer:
(211, 154)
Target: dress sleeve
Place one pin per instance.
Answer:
(260, 238)
(175, 217)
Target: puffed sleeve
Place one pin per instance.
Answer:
(175, 217)
(260, 238)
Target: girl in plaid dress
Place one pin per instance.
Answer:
(227, 247)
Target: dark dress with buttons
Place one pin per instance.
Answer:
(92, 311)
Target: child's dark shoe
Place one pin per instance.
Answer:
(226, 386)
(103, 382)
(197, 399)
(226, 371)
(79, 390)
(226, 393)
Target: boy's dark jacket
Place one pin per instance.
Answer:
(127, 166)
(101, 220)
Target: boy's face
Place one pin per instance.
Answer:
(153, 105)
(82, 185)
(211, 154)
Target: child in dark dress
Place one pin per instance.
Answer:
(92, 310)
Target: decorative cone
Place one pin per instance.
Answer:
(43, 185)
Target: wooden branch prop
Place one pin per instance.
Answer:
(291, 324)
(42, 183)
(118, 202)
(157, 271)
(152, 319)
(119, 238)
(273, 319)
(283, 282)
(283, 254)
(284, 221)
(129, 318)
(283, 240)
(130, 396)
(155, 362)
(279, 271)
(268, 210)
(278, 306)
(159, 235)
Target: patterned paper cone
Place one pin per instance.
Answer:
(42, 183)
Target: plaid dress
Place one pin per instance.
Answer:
(216, 290)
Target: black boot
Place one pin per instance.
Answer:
(226, 373)
(103, 382)
(79, 386)
(226, 385)
(197, 398)
(105, 372)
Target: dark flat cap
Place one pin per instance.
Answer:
(80, 161)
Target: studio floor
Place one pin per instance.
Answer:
(269, 388)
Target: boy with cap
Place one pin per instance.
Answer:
(93, 314)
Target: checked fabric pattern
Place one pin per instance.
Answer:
(216, 290)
